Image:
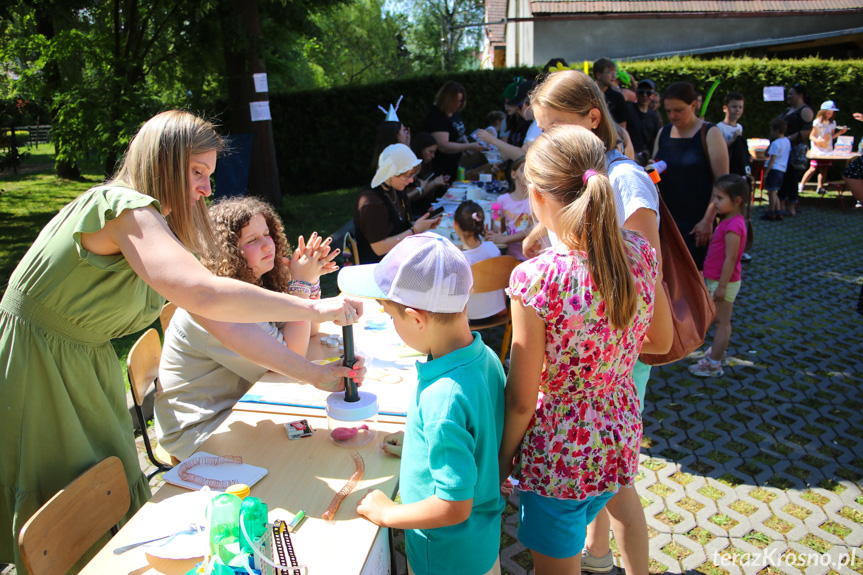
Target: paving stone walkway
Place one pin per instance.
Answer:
(763, 464)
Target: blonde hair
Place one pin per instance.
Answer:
(822, 115)
(554, 168)
(575, 92)
(157, 164)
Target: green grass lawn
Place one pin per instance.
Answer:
(29, 200)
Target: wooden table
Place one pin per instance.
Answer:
(303, 474)
(391, 375)
(838, 186)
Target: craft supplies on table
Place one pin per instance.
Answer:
(217, 472)
(303, 476)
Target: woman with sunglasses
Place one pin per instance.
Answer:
(382, 216)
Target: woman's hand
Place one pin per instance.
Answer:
(485, 136)
(339, 310)
(426, 223)
(393, 443)
(475, 147)
(313, 259)
(506, 488)
(440, 181)
(858, 116)
(703, 232)
(332, 375)
(719, 293)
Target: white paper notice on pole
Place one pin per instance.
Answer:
(774, 94)
(260, 82)
(260, 111)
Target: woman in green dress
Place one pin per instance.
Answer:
(101, 269)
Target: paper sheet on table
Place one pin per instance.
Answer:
(235, 472)
(172, 515)
(390, 364)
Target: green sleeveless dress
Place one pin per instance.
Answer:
(62, 397)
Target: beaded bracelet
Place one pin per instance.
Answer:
(296, 287)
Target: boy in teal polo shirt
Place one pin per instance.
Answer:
(451, 501)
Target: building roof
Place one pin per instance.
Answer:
(693, 7)
(495, 11)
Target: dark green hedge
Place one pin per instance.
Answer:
(324, 138)
(838, 80)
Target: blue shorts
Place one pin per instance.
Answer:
(556, 527)
(640, 375)
(773, 181)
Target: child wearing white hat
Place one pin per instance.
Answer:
(450, 490)
(824, 131)
(382, 216)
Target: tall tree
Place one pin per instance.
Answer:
(435, 39)
(358, 43)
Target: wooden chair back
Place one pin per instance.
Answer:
(143, 364)
(143, 367)
(63, 529)
(350, 245)
(492, 274)
(167, 313)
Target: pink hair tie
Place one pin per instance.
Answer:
(475, 216)
(587, 175)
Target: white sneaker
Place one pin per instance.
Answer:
(699, 354)
(592, 564)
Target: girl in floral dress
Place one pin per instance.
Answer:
(581, 316)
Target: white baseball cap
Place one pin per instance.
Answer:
(829, 105)
(424, 271)
(394, 160)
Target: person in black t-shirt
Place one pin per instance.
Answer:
(604, 72)
(643, 123)
(444, 122)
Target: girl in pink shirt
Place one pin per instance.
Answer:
(515, 217)
(722, 267)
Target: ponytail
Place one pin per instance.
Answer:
(606, 256)
(471, 219)
(556, 165)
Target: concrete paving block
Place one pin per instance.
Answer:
(697, 554)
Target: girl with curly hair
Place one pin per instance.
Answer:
(208, 366)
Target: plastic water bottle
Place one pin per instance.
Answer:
(253, 515)
(224, 512)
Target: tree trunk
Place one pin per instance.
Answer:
(242, 60)
(45, 26)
